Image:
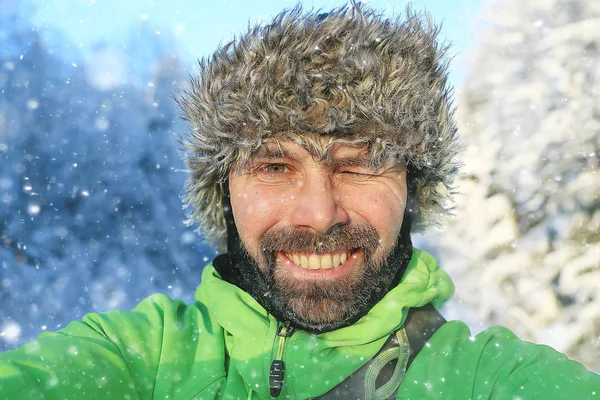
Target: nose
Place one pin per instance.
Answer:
(317, 204)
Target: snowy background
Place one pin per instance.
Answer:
(90, 172)
(528, 219)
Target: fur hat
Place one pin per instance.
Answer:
(349, 73)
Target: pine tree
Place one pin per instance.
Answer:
(89, 175)
(529, 207)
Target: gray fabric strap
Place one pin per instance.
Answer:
(421, 323)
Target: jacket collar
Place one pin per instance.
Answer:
(323, 359)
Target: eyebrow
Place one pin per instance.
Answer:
(275, 151)
(355, 160)
(271, 150)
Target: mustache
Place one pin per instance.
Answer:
(306, 240)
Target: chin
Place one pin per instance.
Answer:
(318, 312)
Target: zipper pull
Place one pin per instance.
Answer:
(277, 370)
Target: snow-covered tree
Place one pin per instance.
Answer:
(90, 173)
(524, 248)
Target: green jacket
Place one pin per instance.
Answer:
(221, 347)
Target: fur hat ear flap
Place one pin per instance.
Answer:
(330, 74)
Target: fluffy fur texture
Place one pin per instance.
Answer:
(350, 74)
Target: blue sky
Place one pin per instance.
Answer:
(199, 26)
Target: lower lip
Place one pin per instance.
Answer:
(332, 273)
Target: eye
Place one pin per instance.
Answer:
(274, 169)
(274, 173)
(359, 173)
(349, 176)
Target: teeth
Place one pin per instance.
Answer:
(326, 262)
(313, 262)
(322, 261)
(304, 262)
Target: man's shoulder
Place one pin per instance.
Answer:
(496, 343)
(495, 361)
(160, 346)
(158, 315)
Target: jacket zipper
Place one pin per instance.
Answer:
(277, 370)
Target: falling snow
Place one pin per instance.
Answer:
(10, 332)
(524, 249)
(90, 173)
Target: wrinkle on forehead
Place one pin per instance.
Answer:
(318, 146)
(321, 148)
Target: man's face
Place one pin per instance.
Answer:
(319, 231)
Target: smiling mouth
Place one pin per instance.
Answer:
(321, 260)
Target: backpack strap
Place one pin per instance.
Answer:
(421, 323)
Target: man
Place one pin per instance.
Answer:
(317, 143)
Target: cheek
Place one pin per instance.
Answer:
(382, 209)
(254, 212)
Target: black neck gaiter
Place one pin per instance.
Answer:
(237, 268)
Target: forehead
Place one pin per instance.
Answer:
(321, 148)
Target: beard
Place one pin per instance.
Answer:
(323, 305)
(314, 303)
